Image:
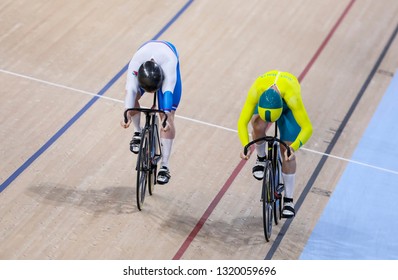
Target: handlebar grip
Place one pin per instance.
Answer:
(164, 123)
(288, 151)
(125, 116)
(245, 150)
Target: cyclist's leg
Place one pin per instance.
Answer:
(260, 127)
(136, 116)
(136, 121)
(167, 138)
(289, 129)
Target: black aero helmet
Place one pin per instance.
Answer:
(150, 76)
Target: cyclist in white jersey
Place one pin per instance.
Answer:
(154, 68)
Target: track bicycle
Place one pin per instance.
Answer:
(272, 184)
(150, 151)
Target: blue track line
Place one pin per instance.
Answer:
(61, 131)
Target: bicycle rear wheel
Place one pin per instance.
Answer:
(155, 154)
(151, 179)
(143, 165)
(278, 186)
(267, 199)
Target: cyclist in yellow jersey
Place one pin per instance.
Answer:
(276, 96)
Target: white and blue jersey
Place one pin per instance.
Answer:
(165, 54)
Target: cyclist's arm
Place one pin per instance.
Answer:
(170, 73)
(131, 83)
(169, 68)
(246, 115)
(129, 99)
(167, 101)
(300, 114)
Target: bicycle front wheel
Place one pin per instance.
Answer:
(143, 166)
(267, 199)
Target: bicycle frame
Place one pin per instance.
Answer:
(150, 150)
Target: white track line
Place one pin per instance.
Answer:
(189, 119)
(58, 85)
(352, 161)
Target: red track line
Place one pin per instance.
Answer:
(209, 210)
(239, 167)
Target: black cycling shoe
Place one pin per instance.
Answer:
(259, 168)
(135, 142)
(288, 208)
(163, 175)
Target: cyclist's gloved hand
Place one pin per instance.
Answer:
(167, 124)
(292, 155)
(247, 156)
(125, 125)
(166, 128)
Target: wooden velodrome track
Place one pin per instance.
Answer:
(66, 173)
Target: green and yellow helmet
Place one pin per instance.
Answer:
(270, 105)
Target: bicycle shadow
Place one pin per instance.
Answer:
(240, 231)
(109, 200)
